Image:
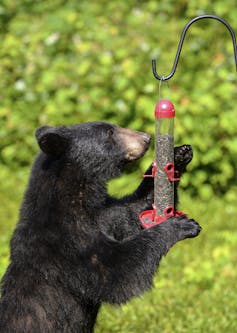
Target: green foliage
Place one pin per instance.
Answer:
(63, 62)
(66, 62)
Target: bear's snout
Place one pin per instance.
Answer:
(135, 143)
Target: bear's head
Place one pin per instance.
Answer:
(93, 150)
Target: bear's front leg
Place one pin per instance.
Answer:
(183, 155)
(128, 266)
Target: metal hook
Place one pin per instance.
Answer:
(176, 60)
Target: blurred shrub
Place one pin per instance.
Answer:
(65, 62)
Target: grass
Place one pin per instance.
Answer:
(195, 289)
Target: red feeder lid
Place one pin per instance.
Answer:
(164, 109)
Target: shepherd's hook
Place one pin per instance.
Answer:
(176, 60)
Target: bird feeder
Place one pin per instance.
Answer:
(163, 170)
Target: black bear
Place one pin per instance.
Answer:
(75, 246)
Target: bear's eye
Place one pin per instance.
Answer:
(110, 132)
(111, 138)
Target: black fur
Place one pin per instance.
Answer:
(74, 246)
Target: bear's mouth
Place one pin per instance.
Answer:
(134, 143)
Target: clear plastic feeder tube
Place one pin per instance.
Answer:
(164, 148)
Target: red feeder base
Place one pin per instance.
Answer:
(149, 219)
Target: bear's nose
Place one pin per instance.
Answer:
(146, 137)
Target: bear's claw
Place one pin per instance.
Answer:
(182, 157)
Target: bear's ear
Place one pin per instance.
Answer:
(51, 141)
